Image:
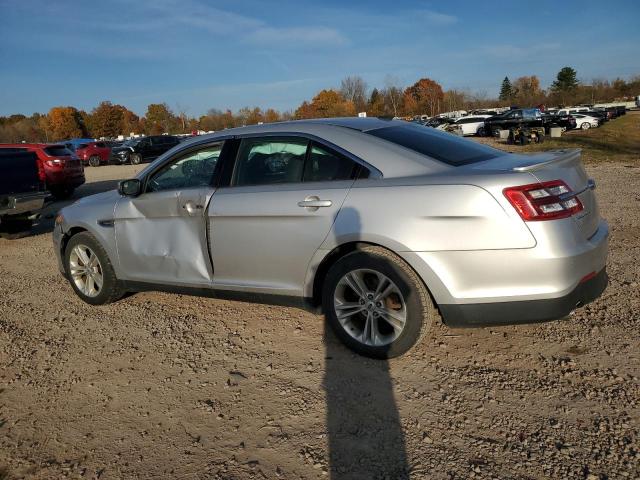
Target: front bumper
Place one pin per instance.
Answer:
(527, 311)
(57, 236)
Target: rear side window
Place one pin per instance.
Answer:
(266, 161)
(323, 165)
(442, 146)
(57, 151)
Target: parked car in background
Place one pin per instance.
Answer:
(366, 219)
(531, 117)
(473, 124)
(144, 149)
(572, 110)
(438, 122)
(585, 122)
(94, 153)
(59, 168)
(74, 142)
(22, 191)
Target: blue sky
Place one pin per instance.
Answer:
(199, 54)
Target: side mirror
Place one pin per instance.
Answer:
(130, 188)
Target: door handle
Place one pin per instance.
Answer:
(191, 207)
(313, 202)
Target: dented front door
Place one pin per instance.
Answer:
(161, 237)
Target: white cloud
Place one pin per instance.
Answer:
(437, 18)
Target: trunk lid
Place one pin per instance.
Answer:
(563, 165)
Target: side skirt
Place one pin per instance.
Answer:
(303, 303)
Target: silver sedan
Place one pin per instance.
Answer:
(382, 225)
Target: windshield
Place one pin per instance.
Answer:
(132, 142)
(442, 146)
(58, 151)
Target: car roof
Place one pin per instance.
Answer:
(347, 134)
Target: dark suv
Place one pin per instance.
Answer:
(144, 149)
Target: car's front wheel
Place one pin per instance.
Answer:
(135, 158)
(376, 304)
(94, 161)
(585, 126)
(90, 271)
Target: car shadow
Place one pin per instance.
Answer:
(365, 435)
(45, 223)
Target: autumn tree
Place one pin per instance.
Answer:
(106, 120)
(327, 103)
(271, 115)
(129, 123)
(64, 123)
(506, 90)
(423, 96)
(527, 91)
(159, 119)
(393, 97)
(354, 89)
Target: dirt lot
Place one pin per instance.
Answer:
(168, 386)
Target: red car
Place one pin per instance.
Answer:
(93, 153)
(59, 169)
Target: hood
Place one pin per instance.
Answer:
(99, 198)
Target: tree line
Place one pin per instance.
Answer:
(424, 97)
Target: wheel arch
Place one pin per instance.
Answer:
(437, 291)
(67, 236)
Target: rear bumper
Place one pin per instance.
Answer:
(528, 311)
(22, 203)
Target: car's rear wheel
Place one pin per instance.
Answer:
(135, 158)
(585, 126)
(90, 271)
(376, 304)
(480, 132)
(94, 161)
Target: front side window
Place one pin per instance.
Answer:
(267, 161)
(191, 170)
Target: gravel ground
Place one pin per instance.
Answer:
(169, 386)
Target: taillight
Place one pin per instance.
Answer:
(543, 201)
(56, 162)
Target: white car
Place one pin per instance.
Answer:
(585, 122)
(472, 125)
(572, 110)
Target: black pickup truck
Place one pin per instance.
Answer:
(21, 192)
(527, 117)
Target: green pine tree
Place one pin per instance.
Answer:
(506, 90)
(566, 81)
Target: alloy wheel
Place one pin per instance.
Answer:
(370, 307)
(86, 270)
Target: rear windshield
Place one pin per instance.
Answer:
(442, 146)
(57, 151)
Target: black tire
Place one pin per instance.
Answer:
(480, 132)
(523, 139)
(541, 138)
(15, 227)
(111, 289)
(420, 311)
(94, 161)
(135, 159)
(61, 193)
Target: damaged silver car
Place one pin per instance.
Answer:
(382, 225)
